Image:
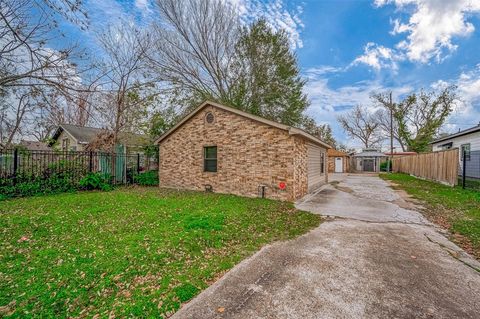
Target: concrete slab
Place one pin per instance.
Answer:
(361, 197)
(375, 259)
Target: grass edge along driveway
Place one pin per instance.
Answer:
(453, 208)
(131, 252)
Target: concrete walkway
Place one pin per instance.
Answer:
(374, 257)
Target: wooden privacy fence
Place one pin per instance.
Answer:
(441, 166)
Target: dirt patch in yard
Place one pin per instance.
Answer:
(465, 243)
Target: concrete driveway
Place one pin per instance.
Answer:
(374, 257)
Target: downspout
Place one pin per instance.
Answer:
(159, 164)
(325, 166)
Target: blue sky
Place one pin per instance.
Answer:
(348, 49)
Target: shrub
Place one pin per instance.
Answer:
(385, 165)
(96, 181)
(66, 169)
(30, 185)
(149, 178)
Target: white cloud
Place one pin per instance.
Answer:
(467, 111)
(431, 26)
(142, 4)
(379, 57)
(277, 15)
(327, 102)
(323, 69)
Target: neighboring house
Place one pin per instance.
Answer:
(69, 137)
(368, 160)
(338, 161)
(226, 150)
(466, 140)
(33, 146)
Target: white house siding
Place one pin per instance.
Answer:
(473, 139)
(473, 168)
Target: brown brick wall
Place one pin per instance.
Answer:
(300, 168)
(249, 154)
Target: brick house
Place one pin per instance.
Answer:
(226, 150)
(338, 161)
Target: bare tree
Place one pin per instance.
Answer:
(54, 108)
(360, 124)
(26, 26)
(382, 117)
(128, 87)
(27, 66)
(195, 47)
(13, 115)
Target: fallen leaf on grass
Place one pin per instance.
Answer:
(23, 238)
(9, 309)
(221, 309)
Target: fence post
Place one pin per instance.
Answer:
(464, 168)
(15, 165)
(90, 164)
(138, 163)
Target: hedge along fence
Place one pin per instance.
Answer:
(440, 166)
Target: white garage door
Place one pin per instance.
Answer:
(314, 166)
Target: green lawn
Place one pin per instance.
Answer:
(452, 207)
(132, 252)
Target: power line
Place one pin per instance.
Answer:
(453, 123)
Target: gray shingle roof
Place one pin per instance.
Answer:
(370, 153)
(83, 135)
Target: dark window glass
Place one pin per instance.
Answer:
(210, 159)
(210, 118)
(322, 162)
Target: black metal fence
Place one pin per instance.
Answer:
(469, 170)
(46, 170)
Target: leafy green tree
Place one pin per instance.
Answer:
(419, 117)
(159, 122)
(269, 82)
(344, 148)
(322, 131)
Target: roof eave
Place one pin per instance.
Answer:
(291, 130)
(183, 120)
(466, 132)
(55, 135)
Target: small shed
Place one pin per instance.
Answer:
(338, 161)
(368, 160)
